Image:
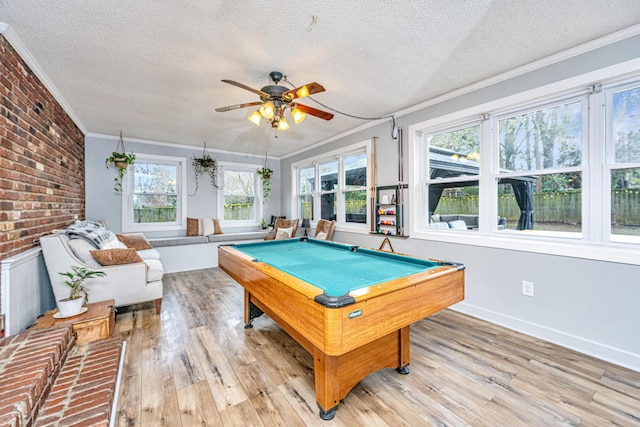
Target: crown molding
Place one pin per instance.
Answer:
(173, 145)
(26, 56)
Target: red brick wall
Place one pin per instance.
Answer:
(41, 158)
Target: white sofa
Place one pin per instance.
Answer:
(127, 284)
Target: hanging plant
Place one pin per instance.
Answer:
(121, 160)
(205, 165)
(265, 173)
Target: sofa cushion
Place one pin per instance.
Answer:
(439, 225)
(470, 220)
(81, 249)
(116, 256)
(458, 224)
(155, 271)
(231, 237)
(113, 242)
(136, 241)
(179, 241)
(149, 254)
(284, 233)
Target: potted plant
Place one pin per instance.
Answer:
(205, 165)
(265, 173)
(78, 295)
(120, 160)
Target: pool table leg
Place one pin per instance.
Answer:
(335, 376)
(251, 311)
(404, 345)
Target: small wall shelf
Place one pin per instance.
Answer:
(389, 211)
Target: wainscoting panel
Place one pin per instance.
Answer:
(26, 290)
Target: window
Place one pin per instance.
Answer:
(451, 176)
(328, 189)
(559, 171)
(540, 159)
(354, 193)
(334, 188)
(623, 161)
(306, 178)
(240, 195)
(155, 195)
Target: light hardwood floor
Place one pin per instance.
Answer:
(195, 365)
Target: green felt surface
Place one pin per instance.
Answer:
(334, 267)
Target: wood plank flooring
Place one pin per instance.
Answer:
(195, 365)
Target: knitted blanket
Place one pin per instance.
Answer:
(92, 232)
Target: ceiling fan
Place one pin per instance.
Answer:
(276, 99)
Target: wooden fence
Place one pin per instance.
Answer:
(558, 207)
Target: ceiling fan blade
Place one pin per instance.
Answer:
(235, 107)
(315, 112)
(305, 90)
(245, 87)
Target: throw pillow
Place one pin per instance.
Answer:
(321, 235)
(116, 256)
(203, 226)
(192, 226)
(135, 241)
(284, 233)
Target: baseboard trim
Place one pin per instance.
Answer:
(573, 342)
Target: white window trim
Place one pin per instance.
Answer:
(127, 196)
(257, 190)
(325, 158)
(596, 247)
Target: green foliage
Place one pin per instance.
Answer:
(76, 279)
(265, 173)
(205, 165)
(120, 161)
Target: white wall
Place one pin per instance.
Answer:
(591, 306)
(102, 202)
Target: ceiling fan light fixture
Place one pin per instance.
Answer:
(302, 92)
(282, 124)
(298, 116)
(267, 110)
(255, 118)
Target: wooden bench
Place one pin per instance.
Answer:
(197, 252)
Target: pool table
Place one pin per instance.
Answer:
(350, 307)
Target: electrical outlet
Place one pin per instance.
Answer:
(527, 288)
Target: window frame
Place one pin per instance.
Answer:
(363, 147)
(581, 95)
(595, 242)
(607, 92)
(127, 195)
(259, 205)
(425, 168)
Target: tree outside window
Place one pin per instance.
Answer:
(624, 140)
(155, 195)
(239, 195)
(540, 177)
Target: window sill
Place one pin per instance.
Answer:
(537, 244)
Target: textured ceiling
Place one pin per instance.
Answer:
(152, 68)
